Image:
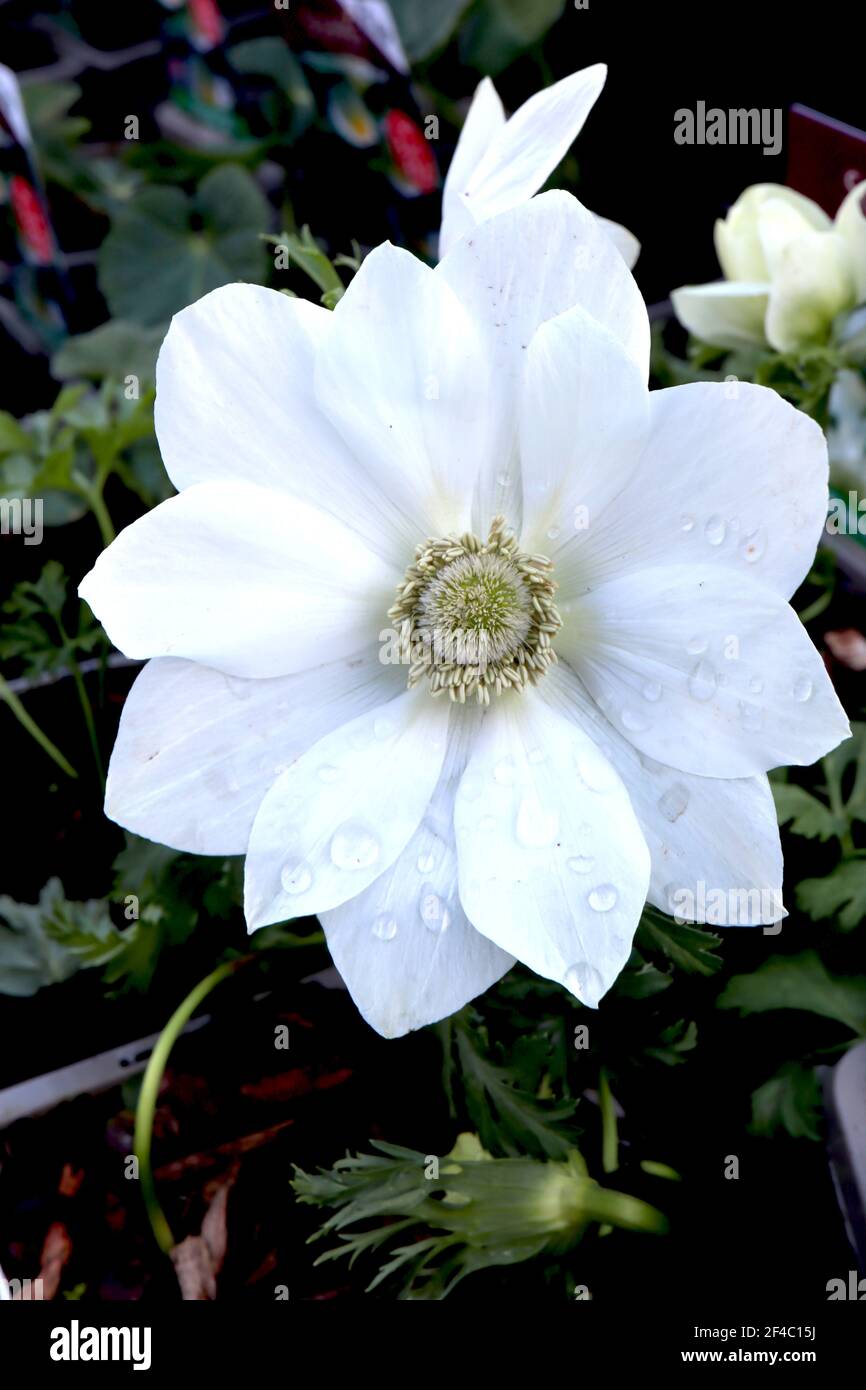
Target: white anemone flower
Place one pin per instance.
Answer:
(472, 450)
(788, 271)
(499, 164)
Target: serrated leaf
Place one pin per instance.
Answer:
(116, 348)
(689, 947)
(840, 894)
(507, 1118)
(45, 943)
(798, 982)
(808, 816)
(790, 1101)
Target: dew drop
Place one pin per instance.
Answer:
(673, 802)
(434, 913)
(296, 877)
(703, 682)
(354, 846)
(602, 898)
(594, 772)
(696, 646)
(535, 827)
(584, 981)
(652, 691)
(384, 927)
(634, 721)
(553, 533)
(580, 863)
(425, 863)
(752, 546)
(802, 689)
(715, 530)
(687, 523)
(756, 685)
(503, 479)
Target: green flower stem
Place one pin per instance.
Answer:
(149, 1095)
(33, 729)
(609, 1136)
(100, 511)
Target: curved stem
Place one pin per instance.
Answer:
(9, 697)
(609, 1136)
(149, 1094)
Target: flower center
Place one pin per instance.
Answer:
(476, 617)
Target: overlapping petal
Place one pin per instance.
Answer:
(552, 864)
(197, 750)
(345, 810)
(703, 670)
(242, 578)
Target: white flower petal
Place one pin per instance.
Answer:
(484, 120)
(530, 145)
(235, 402)
(731, 475)
(342, 814)
(813, 283)
(403, 376)
(404, 946)
(738, 238)
(241, 578)
(851, 226)
(728, 314)
(512, 274)
(197, 750)
(625, 241)
(722, 833)
(553, 866)
(703, 670)
(584, 418)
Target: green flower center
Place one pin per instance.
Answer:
(477, 618)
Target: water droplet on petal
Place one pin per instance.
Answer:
(434, 913)
(802, 689)
(296, 877)
(687, 523)
(674, 801)
(594, 771)
(503, 773)
(715, 530)
(553, 533)
(584, 981)
(696, 646)
(329, 773)
(703, 682)
(752, 546)
(634, 721)
(580, 863)
(535, 826)
(602, 898)
(426, 863)
(354, 846)
(652, 691)
(756, 685)
(503, 479)
(384, 927)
